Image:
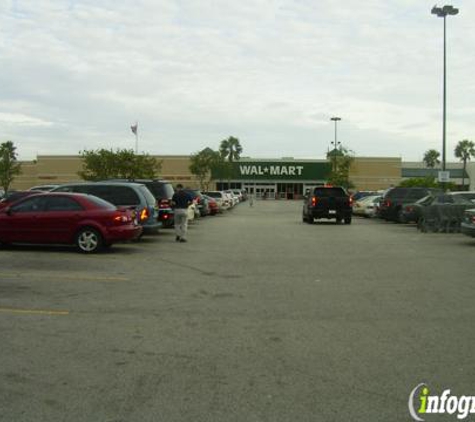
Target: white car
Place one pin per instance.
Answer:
(366, 207)
(221, 199)
(233, 196)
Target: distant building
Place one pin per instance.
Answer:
(282, 178)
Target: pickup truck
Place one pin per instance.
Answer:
(327, 202)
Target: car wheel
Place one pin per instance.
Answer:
(400, 217)
(89, 240)
(348, 220)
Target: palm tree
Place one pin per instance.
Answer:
(431, 158)
(231, 149)
(465, 150)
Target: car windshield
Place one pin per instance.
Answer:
(329, 192)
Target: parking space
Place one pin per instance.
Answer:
(258, 317)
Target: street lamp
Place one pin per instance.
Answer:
(335, 143)
(334, 152)
(443, 12)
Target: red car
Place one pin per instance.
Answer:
(67, 218)
(212, 205)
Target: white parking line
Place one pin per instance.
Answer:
(33, 312)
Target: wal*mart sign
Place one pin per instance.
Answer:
(270, 170)
(277, 171)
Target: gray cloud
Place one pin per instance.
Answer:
(76, 74)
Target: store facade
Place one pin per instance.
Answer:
(276, 179)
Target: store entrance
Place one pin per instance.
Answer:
(290, 190)
(261, 191)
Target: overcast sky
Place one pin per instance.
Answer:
(77, 74)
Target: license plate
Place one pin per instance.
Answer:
(332, 212)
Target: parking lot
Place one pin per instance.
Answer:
(259, 317)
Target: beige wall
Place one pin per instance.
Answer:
(52, 169)
(367, 173)
(373, 173)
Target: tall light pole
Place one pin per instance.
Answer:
(443, 12)
(335, 142)
(336, 119)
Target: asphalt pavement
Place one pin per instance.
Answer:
(259, 317)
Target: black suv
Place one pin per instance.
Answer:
(163, 192)
(327, 202)
(395, 199)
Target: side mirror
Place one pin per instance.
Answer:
(8, 211)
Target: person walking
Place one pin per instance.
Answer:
(181, 200)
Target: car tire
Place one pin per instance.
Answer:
(400, 217)
(89, 240)
(348, 220)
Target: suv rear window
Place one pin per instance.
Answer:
(148, 195)
(160, 190)
(101, 203)
(117, 195)
(329, 192)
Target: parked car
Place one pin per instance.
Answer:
(327, 202)
(44, 188)
(231, 199)
(13, 196)
(238, 193)
(413, 212)
(395, 199)
(199, 200)
(366, 206)
(122, 194)
(233, 196)
(67, 218)
(212, 205)
(467, 226)
(163, 192)
(444, 214)
(358, 195)
(221, 199)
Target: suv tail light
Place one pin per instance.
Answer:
(144, 214)
(314, 201)
(350, 200)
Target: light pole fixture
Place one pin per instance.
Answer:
(443, 12)
(335, 142)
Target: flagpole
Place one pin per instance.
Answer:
(135, 131)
